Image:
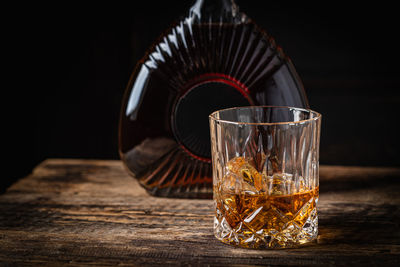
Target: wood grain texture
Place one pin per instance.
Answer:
(91, 213)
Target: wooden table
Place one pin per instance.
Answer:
(90, 212)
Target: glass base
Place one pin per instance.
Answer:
(289, 236)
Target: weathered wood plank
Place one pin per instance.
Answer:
(90, 212)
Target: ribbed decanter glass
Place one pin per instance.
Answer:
(214, 57)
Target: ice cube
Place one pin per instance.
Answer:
(231, 183)
(279, 184)
(250, 178)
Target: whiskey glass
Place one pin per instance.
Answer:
(265, 163)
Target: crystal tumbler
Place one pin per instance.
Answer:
(265, 175)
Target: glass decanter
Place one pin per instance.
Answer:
(215, 57)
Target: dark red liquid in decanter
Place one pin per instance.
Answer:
(196, 68)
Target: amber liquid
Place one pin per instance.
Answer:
(264, 217)
(275, 211)
(255, 210)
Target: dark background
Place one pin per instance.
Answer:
(70, 65)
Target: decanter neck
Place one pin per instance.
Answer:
(215, 5)
(215, 10)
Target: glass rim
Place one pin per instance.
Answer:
(317, 116)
